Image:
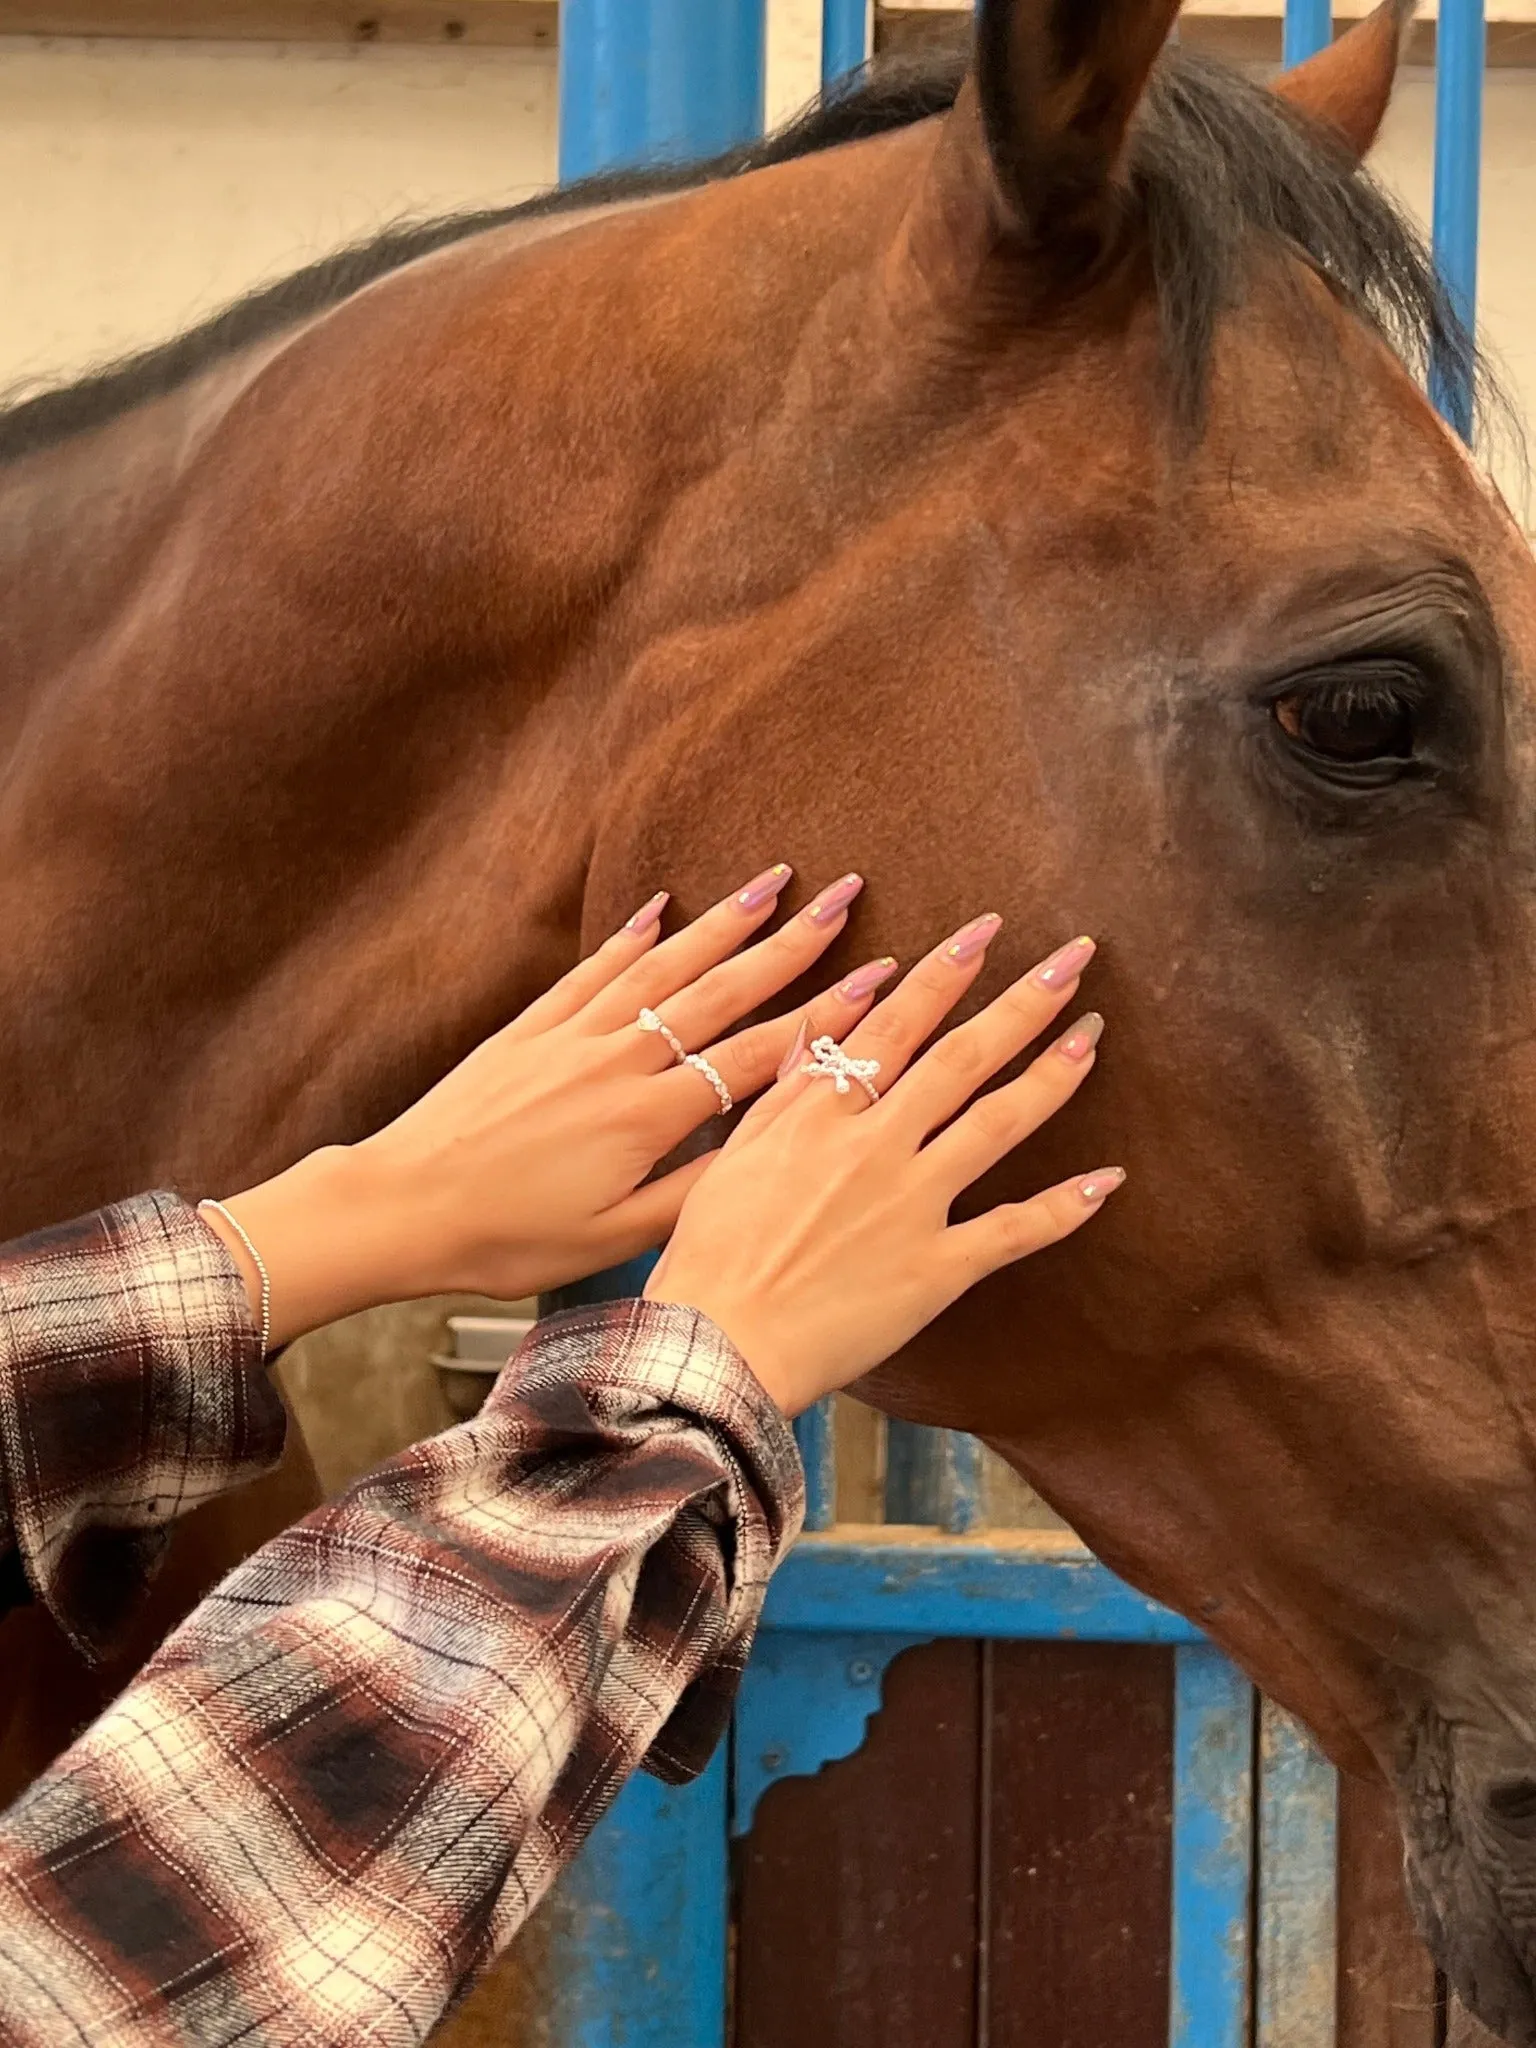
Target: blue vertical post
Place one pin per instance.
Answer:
(640, 1950)
(1212, 1850)
(932, 1476)
(816, 1434)
(1298, 1915)
(647, 81)
(1460, 39)
(1308, 29)
(844, 37)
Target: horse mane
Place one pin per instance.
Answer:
(1217, 169)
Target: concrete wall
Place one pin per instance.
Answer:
(143, 183)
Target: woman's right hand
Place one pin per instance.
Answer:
(819, 1240)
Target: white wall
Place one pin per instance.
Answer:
(143, 183)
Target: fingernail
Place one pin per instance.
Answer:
(1082, 1038)
(833, 899)
(796, 1052)
(865, 980)
(1098, 1187)
(649, 913)
(770, 883)
(973, 938)
(1064, 965)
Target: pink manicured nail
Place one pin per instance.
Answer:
(649, 913)
(973, 938)
(796, 1052)
(1098, 1187)
(833, 899)
(1064, 965)
(865, 980)
(770, 883)
(1082, 1038)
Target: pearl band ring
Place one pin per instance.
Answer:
(649, 1021)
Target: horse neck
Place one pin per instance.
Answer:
(79, 520)
(316, 748)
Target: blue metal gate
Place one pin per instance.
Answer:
(642, 1941)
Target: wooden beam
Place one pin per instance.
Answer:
(520, 23)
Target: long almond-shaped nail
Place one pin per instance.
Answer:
(1064, 965)
(1098, 1187)
(833, 899)
(649, 913)
(796, 1052)
(1082, 1038)
(770, 883)
(973, 938)
(863, 981)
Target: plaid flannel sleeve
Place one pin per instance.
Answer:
(131, 1389)
(345, 1781)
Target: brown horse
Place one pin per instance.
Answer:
(1029, 500)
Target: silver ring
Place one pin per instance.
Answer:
(649, 1021)
(828, 1062)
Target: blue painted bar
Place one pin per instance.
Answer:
(1038, 1586)
(1308, 29)
(816, 1434)
(1297, 1959)
(648, 81)
(638, 1943)
(845, 26)
(805, 1701)
(1212, 1845)
(1460, 39)
(961, 1504)
(932, 1477)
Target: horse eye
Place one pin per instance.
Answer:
(1356, 719)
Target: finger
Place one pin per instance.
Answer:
(949, 1073)
(689, 953)
(752, 1058)
(991, 1128)
(894, 1029)
(1016, 1229)
(645, 1219)
(707, 1007)
(573, 991)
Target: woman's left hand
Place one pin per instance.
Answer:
(528, 1165)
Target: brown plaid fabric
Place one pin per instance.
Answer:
(345, 1781)
(131, 1389)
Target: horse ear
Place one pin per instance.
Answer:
(1347, 85)
(1057, 83)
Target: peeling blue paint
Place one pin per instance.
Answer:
(1212, 1850)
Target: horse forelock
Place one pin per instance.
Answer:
(1216, 169)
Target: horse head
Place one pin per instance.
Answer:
(1102, 562)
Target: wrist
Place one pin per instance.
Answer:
(760, 1358)
(323, 1232)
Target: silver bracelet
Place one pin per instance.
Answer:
(258, 1262)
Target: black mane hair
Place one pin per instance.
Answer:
(1218, 170)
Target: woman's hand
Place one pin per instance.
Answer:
(527, 1166)
(821, 1240)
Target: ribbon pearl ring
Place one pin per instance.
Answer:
(828, 1062)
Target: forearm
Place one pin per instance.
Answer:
(131, 1390)
(371, 1750)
